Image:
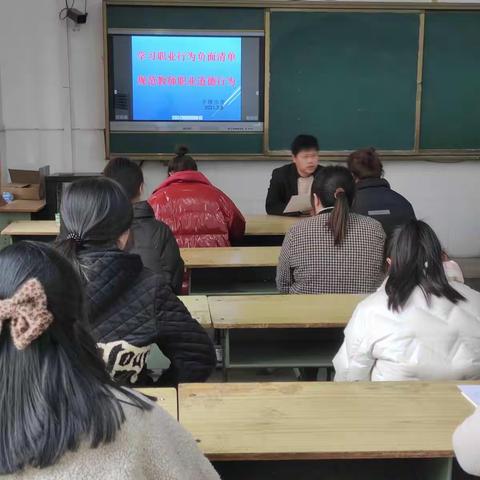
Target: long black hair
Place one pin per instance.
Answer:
(335, 187)
(416, 261)
(95, 212)
(56, 393)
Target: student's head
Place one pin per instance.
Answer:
(181, 162)
(334, 187)
(95, 213)
(128, 174)
(365, 163)
(55, 390)
(415, 257)
(305, 154)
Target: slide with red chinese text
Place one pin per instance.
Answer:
(186, 78)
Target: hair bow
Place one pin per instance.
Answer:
(27, 312)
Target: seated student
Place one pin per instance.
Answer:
(295, 178)
(374, 196)
(130, 308)
(152, 239)
(417, 326)
(199, 214)
(61, 414)
(335, 251)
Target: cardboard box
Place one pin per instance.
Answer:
(27, 184)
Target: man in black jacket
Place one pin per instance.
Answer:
(295, 178)
(152, 239)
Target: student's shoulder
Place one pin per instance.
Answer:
(155, 283)
(472, 297)
(146, 422)
(368, 223)
(307, 224)
(375, 306)
(283, 171)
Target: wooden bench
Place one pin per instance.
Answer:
(198, 307)
(331, 422)
(290, 313)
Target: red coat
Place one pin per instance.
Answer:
(199, 214)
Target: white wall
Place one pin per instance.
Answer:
(48, 119)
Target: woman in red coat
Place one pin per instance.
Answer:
(199, 214)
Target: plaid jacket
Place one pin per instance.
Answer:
(310, 262)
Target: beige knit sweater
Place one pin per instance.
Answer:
(151, 445)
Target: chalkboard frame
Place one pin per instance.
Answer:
(421, 9)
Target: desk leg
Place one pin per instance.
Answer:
(188, 274)
(435, 469)
(226, 353)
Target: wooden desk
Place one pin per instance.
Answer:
(272, 348)
(257, 225)
(230, 257)
(322, 420)
(23, 206)
(17, 210)
(252, 269)
(268, 225)
(198, 307)
(166, 398)
(282, 311)
(38, 228)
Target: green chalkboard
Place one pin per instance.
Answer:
(129, 16)
(451, 81)
(220, 143)
(349, 78)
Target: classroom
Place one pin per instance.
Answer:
(239, 239)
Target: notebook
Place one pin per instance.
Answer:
(298, 203)
(471, 393)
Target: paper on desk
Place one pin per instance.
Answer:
(471, 393)
(299, 203)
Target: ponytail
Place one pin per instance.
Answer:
(339, 217)
(94, 212)
(68, 243)
(334, 186)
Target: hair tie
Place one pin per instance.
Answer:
(75, 236)
(338, 191)
(28, 313)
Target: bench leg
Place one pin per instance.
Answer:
(225, 336)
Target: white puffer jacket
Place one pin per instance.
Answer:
(440, 341)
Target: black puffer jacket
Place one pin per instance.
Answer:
(131, 308)
(154, 242)
(375, 198)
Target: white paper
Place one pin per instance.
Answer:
(299, 203)
(471, 393)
